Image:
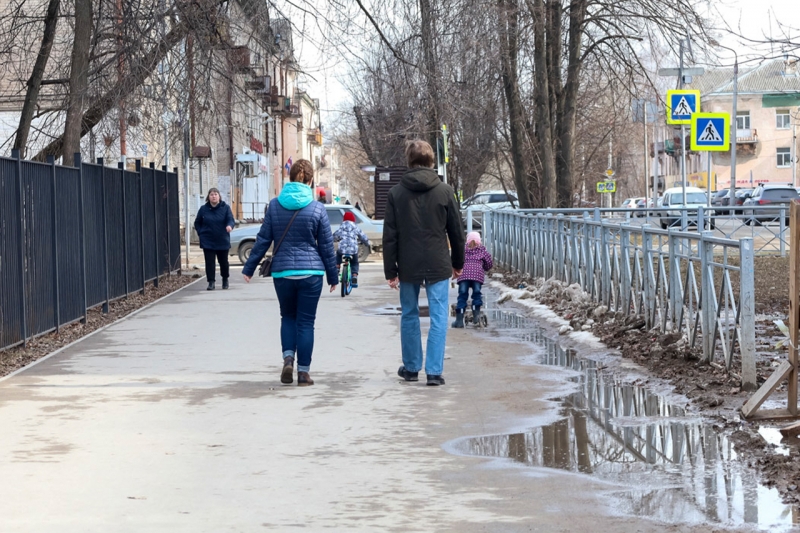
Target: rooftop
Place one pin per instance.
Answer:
(771, 77)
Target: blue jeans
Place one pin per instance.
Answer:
(353, 261)
(463, 293)
(410, 334)
(298, 299)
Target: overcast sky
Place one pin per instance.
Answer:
(753, 19)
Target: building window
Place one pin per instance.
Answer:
(743, 120)
(784, 157)
(783, 119)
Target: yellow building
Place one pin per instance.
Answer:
(768, 111)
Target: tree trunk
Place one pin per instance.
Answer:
(567, 107)
(35, 81)
(138, 73)
(553, 36)
(78, 80)
(543, 108)
(509, 21)
(364, 137)
(429, 71)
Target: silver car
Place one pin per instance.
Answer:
(244, 238)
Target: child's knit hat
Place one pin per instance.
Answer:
(348, 215)
(474, 236)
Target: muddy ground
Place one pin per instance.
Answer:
(20, 356)
(713, 391)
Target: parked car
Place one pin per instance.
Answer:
(673, 204)
(774, 195)
(243, 238)
(718, 198)
(491, 200)
(630, 203)
(741, 196)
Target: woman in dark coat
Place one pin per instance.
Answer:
(302, 259)
(214, 224)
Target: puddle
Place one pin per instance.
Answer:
(680, 468)
(392, 310)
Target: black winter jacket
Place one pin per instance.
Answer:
(210, 225)
(421, 216)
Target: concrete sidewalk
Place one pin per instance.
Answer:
(175, 420)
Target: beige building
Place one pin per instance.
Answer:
(768, 111)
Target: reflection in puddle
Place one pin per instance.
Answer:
(681, 468)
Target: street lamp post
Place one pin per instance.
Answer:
(732, 193)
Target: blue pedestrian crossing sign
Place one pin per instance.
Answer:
(711, 132)
(681, 105)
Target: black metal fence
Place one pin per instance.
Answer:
(75, 238)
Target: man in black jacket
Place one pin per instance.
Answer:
(421, 216)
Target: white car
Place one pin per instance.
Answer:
(672, 203)
(491, 200)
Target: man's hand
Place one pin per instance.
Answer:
(247, 278)
(333, 287)
(228, 229)
(394, 283)
(457, 272)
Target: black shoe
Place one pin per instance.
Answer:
(406, 375)
(210, 286)
(459, 322)
(476, 315)
(286, 373)
(225, 283)
(435, 380)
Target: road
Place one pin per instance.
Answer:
(174, 420)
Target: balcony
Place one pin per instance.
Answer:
(746, 141)
(315, 137)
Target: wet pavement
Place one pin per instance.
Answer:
(679, 467)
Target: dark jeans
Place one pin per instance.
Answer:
(353, 261)
(463, 293)
(298, 299)
(211, 257)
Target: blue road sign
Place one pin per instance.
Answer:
(711, 132)
(681, 105)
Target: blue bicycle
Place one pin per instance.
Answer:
(346, 276)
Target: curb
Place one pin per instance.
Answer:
(76, 341)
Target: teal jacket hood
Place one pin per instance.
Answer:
(295, 195)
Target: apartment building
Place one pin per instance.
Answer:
(768, 110)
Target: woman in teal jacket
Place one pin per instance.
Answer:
(303, 257)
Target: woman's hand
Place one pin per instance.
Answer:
(228, 229)
(333, 287)
(247, 278)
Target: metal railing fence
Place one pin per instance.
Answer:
(75, 238)
(694, 283)
(768, 226)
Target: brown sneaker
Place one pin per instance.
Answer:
(304, 380)
(288, 367)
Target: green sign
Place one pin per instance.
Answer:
(606, 186)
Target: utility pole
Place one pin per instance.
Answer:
(734, 126)
(683, 131)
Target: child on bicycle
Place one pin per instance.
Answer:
(477, 260)
(348, 236)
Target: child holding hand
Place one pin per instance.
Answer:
(477, 260)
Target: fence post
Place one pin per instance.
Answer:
(647, 282)
(747, 297)
(121, 167)
(561, 259)
(469, 219)
(709, 309)
(673, 290)
(588, 264)
(782, 234)
(101, 162)
(79, 165)
(57, 307)
(625, 274)
(166, 214)
(701, 219)
(155, 222)
(605, 269)
(575, 249)
(21, 248)
(141, 219)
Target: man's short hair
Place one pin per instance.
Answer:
(419, 154)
